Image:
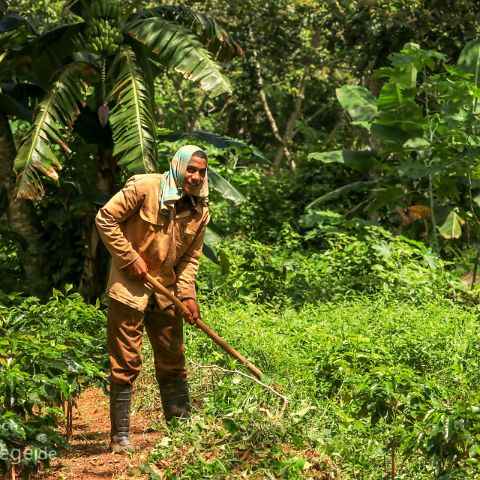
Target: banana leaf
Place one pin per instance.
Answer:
(173, 46)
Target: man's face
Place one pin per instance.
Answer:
(195, 174)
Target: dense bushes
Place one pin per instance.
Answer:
(381, 389)
(326, 261)
(48, 354)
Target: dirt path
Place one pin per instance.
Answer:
(89, 458)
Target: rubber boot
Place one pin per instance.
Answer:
(120, 399)
(175, 400)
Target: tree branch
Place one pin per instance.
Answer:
(315, 114)
(198, 111)
(178, 86)
(290, 128)
(263, 98)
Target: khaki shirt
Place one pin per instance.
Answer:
(131, 225)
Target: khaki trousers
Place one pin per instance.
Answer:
(125, 335)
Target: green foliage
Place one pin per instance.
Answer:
(359, 103)
(369, 383)
(132, 119)
(48, 354)
(165, 39)
(137, 46)
(42, 13)
(271, 200)
(54, 115)
(423, 123)
(452, 228)
(334, 257)
(11, 270)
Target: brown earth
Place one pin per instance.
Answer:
(89, 458)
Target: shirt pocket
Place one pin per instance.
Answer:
(154, 240)
(153, 217)
(186, 235)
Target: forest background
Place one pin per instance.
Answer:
(344, 154)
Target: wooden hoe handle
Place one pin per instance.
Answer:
(207, 330)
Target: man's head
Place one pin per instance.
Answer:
(195, 172)
(187, 175)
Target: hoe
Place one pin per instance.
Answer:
(159, 288)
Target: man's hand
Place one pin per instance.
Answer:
(192, 306)
(138, 268)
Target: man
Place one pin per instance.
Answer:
(154, 225)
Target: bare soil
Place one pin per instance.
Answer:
(89, 458)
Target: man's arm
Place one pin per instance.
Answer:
(118, 209)
(186, 271)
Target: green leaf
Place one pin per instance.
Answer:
(175, 47)
(405, 76)
(359, 103)
(392, 135)
(339, 192)
(417, 143)
(399, 111)
(476, 199)
(361, 161)
(230, 425)
(452, 227)
(211, 237)
(15, 31)
(216, 140)
(208, 30)
(164, 442)
(210, 253)
(12, 107)
(387, 195)
(469, 60)
(53, 121)
(46, 53)
(11, 21)
(224, 187)
(16, 98)
(391, 97)
(132, 118)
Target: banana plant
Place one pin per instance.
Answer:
(107, 62)
(424, 135)
(15, 97)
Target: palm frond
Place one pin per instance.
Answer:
(53, 121)
(173, 46)
(215, 38)
(132, 119)
(46, 54)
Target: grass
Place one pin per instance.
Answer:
(377, 390)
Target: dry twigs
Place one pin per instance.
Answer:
(268, 387)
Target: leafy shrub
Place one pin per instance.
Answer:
(346, 260)
(272, 199)
(48, 354)
(382, 389)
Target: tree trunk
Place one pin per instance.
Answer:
(21, 217)
(290, 129)
(264, 100)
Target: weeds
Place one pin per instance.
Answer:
(377, 390)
